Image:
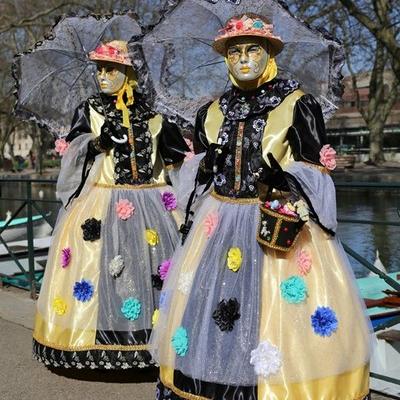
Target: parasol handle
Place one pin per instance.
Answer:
(119, 141)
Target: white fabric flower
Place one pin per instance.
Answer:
(185, 282)
(116, 266)
(266, 359)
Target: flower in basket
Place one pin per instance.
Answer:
(302, 210)
(327, 157)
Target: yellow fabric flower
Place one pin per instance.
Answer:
(156, 315)
(234, 259)
(151, 237)
(59, 306)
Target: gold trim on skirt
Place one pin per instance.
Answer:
(130, 187)
(235, 200)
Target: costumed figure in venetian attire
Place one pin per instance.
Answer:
(260, 301)
(112, 245)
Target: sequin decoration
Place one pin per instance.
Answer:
(116, 266)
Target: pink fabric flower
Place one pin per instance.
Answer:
(169, 201)
(61, 146)
(303, 260)
(210, 223)
(328, 157)
(124, 208)
(66, 255)
(164, 268)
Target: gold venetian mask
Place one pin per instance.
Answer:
(247, 57)
(111, 77)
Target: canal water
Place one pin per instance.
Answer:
(360, 204)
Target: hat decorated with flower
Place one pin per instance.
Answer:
(248, 25)
(115, 51)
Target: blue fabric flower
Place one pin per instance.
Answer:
(163, 300)
(180, 341)
(324, 321)
(258, 24)
(294, 290)
(131, 308)
(83, 290)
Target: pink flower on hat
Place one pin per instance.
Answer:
(124, 209)
(328, 157)
(61, 146)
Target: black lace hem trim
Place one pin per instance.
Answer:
(92, 359)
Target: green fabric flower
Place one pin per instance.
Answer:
(131, 308)
(294, 290)
(180, 341)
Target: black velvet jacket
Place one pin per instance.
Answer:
(171, 145)
(245, 116)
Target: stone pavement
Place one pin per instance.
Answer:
(22, 378)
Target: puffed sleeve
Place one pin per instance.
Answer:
(200, 142)
(172, 145)
(306, 175)
(77, 161)
(307, 134)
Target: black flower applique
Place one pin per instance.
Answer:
(91, 229)
(156, 281)
(226, 314)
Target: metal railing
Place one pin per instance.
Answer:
(30, 204)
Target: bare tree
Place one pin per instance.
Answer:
(364, 52)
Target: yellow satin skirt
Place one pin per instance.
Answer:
(88, 313)
(239, 317)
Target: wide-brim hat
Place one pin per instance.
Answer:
(248, 25)
(115, 51)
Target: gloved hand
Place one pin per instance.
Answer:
(105, 141)
(272, 176)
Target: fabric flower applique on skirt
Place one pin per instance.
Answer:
(294, 290)
(226, 314)
(180, 341)
(83, 290)
(303, 260)
(324, 321)
(91, 229)
(59, 306)
(116, 266)
(169, 201)
(131, 308)
(124, 209)
(156, 281)
(210, 223)
(155, 317)
(234, 259)
(164, 269)
(267, 359)
(185, 281)
(151, 237)
(66, 255)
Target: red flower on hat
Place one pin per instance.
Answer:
(239, 25)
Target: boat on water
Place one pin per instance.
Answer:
(17, 228)
(383, 307)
